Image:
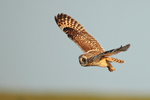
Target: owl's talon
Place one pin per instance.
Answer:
(111, 68)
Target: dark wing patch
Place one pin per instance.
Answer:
(77, 33)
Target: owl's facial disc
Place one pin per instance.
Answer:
(83, 60)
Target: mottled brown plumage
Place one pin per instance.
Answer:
(77, 33)
(94, 52)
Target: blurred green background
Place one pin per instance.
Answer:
(39, 61)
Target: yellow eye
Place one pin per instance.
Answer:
(83, 59)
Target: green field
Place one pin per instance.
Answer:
(17, 96)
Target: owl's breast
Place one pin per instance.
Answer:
(103, 63)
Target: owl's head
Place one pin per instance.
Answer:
(83, 60)
(88, 59)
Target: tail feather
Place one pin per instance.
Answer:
(64, 21)
(111, 59)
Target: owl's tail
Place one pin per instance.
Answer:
(111, 59)
(65, 21)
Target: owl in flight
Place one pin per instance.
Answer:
(94, 54)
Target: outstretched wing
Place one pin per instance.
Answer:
(113, 51)
(77, 33)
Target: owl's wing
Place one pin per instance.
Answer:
(113, 51)
(77, 33)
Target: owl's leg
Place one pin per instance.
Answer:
(110, 67)
(111, 59)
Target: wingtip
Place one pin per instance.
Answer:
(128, 45)
(125, 48)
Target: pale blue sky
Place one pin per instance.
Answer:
(37, 55)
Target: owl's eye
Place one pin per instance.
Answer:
(83, 59)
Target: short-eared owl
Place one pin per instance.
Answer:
(94, 54)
